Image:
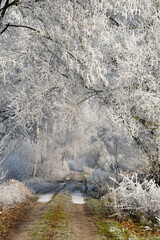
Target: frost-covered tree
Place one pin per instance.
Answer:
(56, 55)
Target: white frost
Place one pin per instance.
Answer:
(77, 197)
(45, 197)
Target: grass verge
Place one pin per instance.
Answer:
(112, 228)
(11, 217)
(54, 221)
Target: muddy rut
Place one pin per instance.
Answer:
(82, 224)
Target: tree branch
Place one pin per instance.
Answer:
(83, 100)
(19, 26)
(6, 6)
(23, 26)
(145, 122)
(4, 28)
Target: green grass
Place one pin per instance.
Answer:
(54, 220)
(114, 230)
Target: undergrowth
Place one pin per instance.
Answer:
(11, 216)
(135, 199)
(12, 192)
(110, 227)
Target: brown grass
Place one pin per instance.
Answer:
(12, 216)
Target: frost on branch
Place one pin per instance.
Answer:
(136, 199)
(2, 171)
(2, 174)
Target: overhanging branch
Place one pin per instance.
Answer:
(19, 26)
(5, 28)
(24, 26)
(7, 5)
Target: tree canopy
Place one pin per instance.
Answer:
(90, 69)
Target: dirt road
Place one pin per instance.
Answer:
(80, 225)
(28, 222)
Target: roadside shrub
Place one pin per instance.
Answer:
(100, 181)
(138, 200)
(13, 192)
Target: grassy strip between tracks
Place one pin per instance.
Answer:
(54, 221)
(112, 228)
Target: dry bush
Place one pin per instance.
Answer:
(12, 192)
